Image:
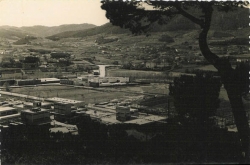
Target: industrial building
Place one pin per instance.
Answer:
(4, 111)
(62, 108)
(49, 80)
(67, 112)
(36, 116)
(67, 82)
(76, 103)
(8, 114)
(10, 81)
(107, 81)
(44, 105)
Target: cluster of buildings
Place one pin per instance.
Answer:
(96, 79)
(69, 111)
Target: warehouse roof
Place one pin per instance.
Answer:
(57, 99)
(6, 108)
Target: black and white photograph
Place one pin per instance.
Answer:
(110, 82)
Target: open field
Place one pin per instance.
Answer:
(89, 96)
(92, 95)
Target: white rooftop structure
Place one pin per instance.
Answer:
(58, 99)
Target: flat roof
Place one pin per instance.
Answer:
(31, 103)
(98, 114)
(6, 108)
(10, 116)
(111, 119)
(57, 99)
(27, 80)
(138, 121)
(30, 111)
(49, 79)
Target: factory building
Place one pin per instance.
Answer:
(76, 103)
(4, 111)
(63, 111)
(107, 81)
(49, 80)
(28, 82)
(36, 115)
(44, 105)
(67, 82)
(8, 114)
(66, 112)
(10, 81)
(62, 108)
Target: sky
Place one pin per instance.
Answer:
(51, 12)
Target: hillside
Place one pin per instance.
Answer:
(104, 29)
(39, 31)
(44, 31)
(12, 32)
(221, 21)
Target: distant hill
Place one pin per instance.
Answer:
(40, 31)
(12, 32)
(44, 31)
(104, 29)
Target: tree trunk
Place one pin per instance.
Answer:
(240, 117)
(229, 78)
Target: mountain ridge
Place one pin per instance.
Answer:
(7, 31)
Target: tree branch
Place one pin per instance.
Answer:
(189, 16)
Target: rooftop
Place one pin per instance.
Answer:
(31, 111)
(43, 103)
(6, 108)
(9, 116)
(27, 80)
(49, 79)
(57, 99)
(64, 128)
(98, 114)
(142, 119)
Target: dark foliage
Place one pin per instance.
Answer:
(196, 98)
(111, 144)
(59, 55)
(31, 59)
